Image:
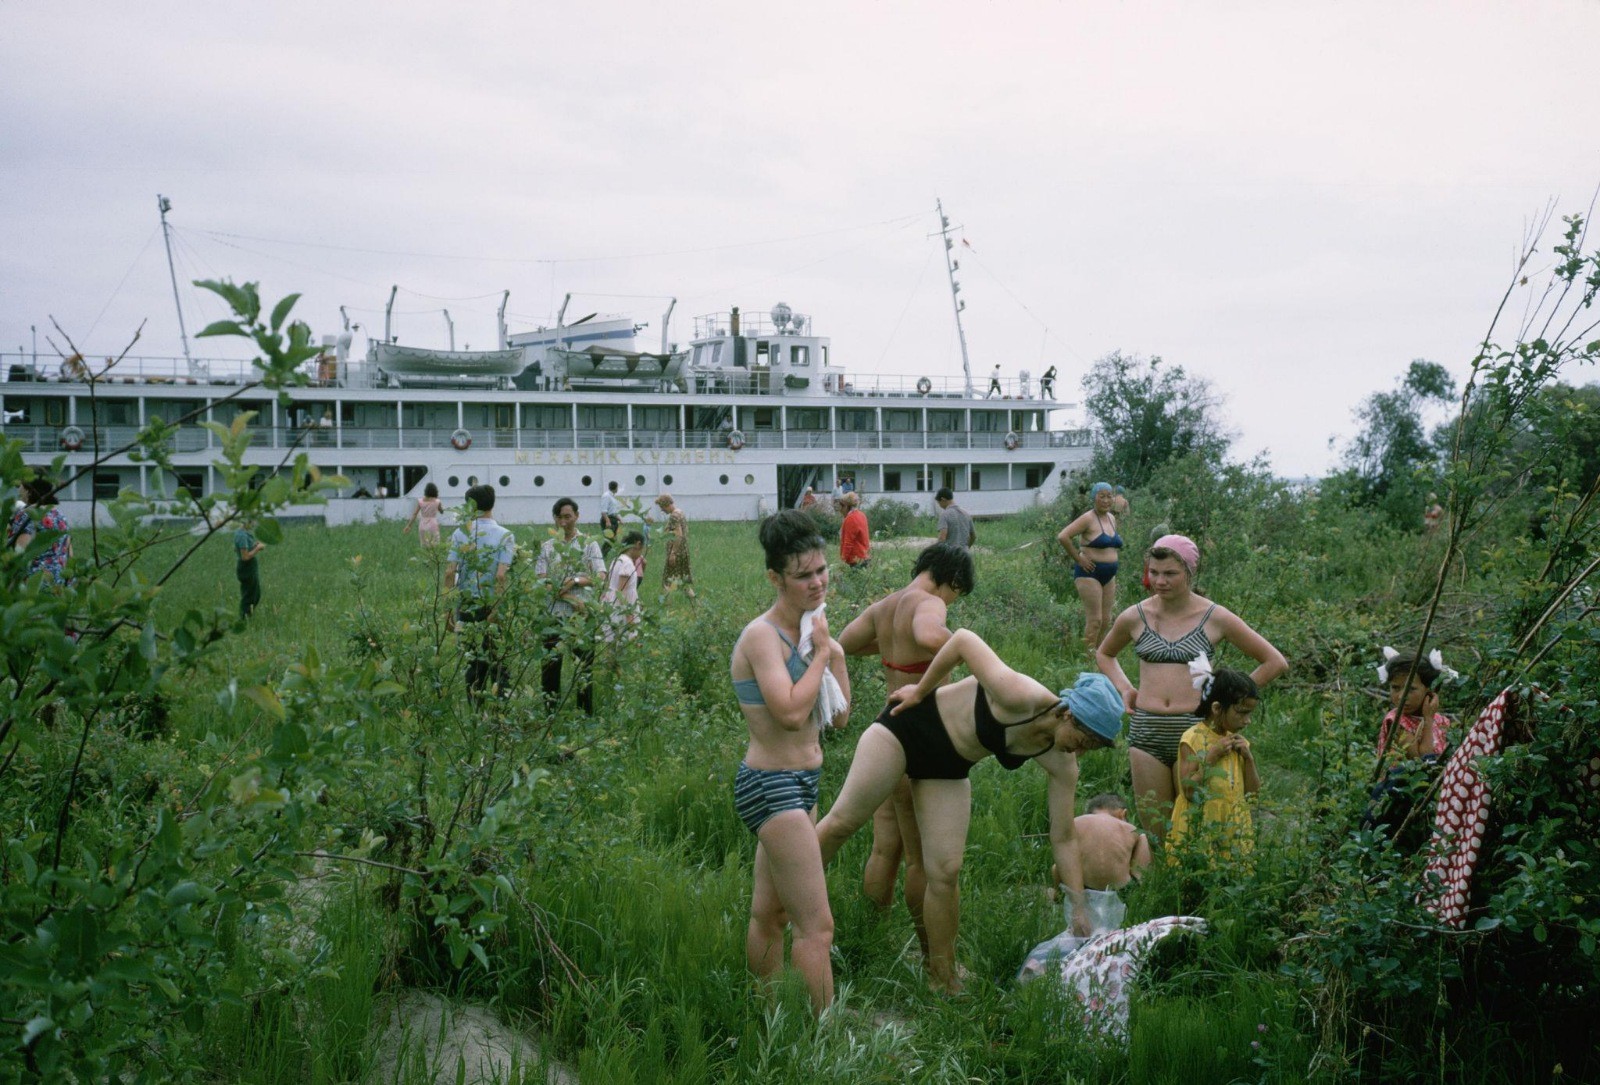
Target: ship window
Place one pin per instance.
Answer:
(587, 481)
(723, 480)
(808, 418)
(638, 480)
(453, 481)
(749, 480)
(666, 480)
(900, 421)
(763, 352)
(192, 482)
(977, 480)
(54, 414)
(924, 479)
(410, 475)
(538, 480)
(113, 414)
(503, 415)
(944, 421)
(764, 418)
(1033, 477)
(799, 355)
(505, 482)
(824, 354)
(105, 485)
(656, 418)
(988, 421)
(891, 481)
(472, 480)
(347, 413)
(857, 421)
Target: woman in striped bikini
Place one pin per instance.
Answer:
(775, 791)
(1168, 630)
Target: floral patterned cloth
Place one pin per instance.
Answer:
(1462, 816)
(53, 562)
(1097, 972)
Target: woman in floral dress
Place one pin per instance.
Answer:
(677, 569)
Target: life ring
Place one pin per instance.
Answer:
(72, 438)
(461, 440)
(924, 386)
(1012, 441)
(736, 439)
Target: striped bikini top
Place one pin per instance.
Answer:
(1152, 647)
(748, 690)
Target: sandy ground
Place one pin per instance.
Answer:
(429, 1038)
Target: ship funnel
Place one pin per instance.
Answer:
(733, 322)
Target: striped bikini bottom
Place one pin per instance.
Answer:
(1158, 733)
(761, 794)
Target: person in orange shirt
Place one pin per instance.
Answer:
(855, 540)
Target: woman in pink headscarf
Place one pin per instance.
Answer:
(1169, 630)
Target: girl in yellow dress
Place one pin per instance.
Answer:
(1216, 770)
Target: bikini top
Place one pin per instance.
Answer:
(992, 734)
(1103, 541)
(1152, 647)
(748, 690)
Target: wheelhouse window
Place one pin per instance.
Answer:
(800, 355)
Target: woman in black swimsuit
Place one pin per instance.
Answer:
(935, 734)
(1094, 561)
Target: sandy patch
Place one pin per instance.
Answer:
(428, 1038)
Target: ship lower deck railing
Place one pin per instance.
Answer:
(47, 440)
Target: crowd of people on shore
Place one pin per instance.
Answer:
(1192, 770)
(910, 771)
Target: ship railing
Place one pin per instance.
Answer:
(192, 438)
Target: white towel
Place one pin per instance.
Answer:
(830, 698)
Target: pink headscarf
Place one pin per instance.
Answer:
(1184, 547)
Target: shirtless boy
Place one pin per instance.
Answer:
(906, 629)
(1113, 852)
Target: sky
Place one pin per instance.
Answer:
(1291, 201)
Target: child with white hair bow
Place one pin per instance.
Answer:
(1424, 730)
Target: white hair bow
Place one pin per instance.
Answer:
(1437, 660)
(1388, 657)
(1200, 676)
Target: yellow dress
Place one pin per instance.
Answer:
(1220, 821)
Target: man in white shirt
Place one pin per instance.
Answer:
(478, 564)
(610, 516)
(572, 564)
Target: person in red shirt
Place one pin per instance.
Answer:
(855, 541)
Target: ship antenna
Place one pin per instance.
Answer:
(950, 266)
(165, 205)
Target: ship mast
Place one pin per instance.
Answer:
(951, 266)
(165, 205)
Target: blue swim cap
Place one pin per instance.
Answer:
(1097, 487)
(1096, 705)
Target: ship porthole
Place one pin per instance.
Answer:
(472, 480)
(538, 480)
(666, 480)
(505, 482)
(587, 481)
(638, 480)
(453, 481)
(724, 480)
(749, 480)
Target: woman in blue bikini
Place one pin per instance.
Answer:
(1168, 630)
(1094, 561)
(775, 792)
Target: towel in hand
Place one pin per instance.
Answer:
(830, 698)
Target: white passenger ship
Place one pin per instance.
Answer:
(738, 424)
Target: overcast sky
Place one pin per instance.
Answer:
(1292, 200)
